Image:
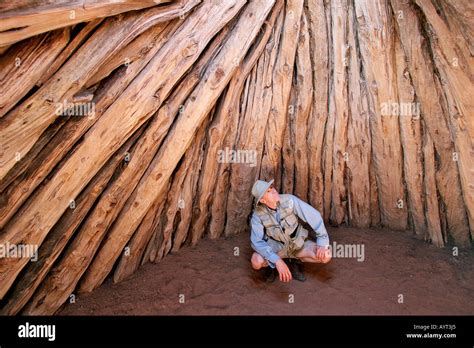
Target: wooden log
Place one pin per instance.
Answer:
(35, 272)
(174, 201)
(376, 41)
(135, 101)
(212, 196)
(130, 53)
(219, 203)
(179, 138)
(358, 134)
(188, 189)
(455, 65)
(156, 231)
(178, 98)
(328, 149)
(22, 126)
(250, 139)
(459, 16)
(20, 22)
(22, 180)
(133, 252)
(70, 49)
(25, 63)
(340, 52)
(283, 75)
(410, 135)
(421, 70)
(430, 192)
(303, 108)
(287, 155)
(375, 219)
(88, 239)
(318, 33)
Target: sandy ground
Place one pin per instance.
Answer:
(213, 281)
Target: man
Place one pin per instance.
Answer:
(277, 234)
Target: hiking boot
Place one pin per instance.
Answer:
(296, 269)
(269, 274)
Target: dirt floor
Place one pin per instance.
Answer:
(430, 281)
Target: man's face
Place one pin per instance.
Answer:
(271, 197)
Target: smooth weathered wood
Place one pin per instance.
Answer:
(179, 138)
(22, 22)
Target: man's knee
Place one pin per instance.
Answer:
(258, 261)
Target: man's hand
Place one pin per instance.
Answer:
(283, 271)
(323, 254)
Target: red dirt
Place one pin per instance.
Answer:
(214, 281)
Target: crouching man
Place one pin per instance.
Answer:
(276, 234)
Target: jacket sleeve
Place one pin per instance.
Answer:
(259, 244)
(313, 217)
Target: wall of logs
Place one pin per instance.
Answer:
(131, 128)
